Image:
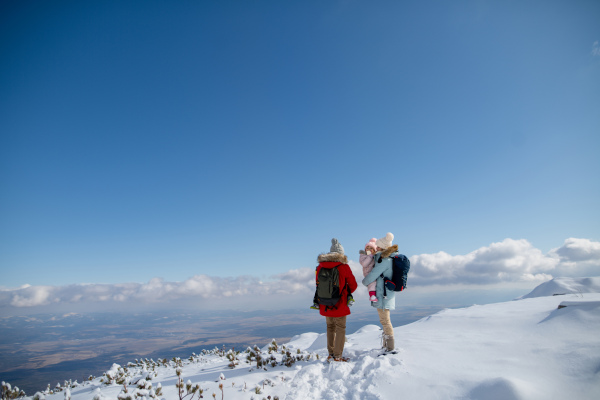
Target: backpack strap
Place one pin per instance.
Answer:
(382, 277)
(345, 288)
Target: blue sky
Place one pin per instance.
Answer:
(170, 139)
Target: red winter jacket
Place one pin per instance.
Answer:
(331, 260)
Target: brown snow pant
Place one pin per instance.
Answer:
(336, 335)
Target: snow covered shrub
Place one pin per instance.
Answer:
(114, 375)
(8, 392)
(97, 394)
(144, 384)
(39, 396)
(177, 361)
(273, 347)
(250, 356)
(124, 396)
(48, 390)
(232, 356)
(288, 359)
(190, 390)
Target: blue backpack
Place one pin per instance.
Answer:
(400, 268)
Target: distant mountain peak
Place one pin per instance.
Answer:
(561, 286)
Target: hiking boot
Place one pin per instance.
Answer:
(384, 341)
(390, 344)
(329, 358)
(373, 298)
(387, 342)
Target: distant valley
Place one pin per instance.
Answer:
(46, 349)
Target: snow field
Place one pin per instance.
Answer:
(526, 349)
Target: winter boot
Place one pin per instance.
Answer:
(389, 344)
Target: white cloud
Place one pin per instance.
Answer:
(32, 296)
(577, 257)
(574, 250)
(596, 49)
(158, 290)
(509, 261)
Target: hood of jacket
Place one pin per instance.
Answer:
(389, 251)
(333, 257)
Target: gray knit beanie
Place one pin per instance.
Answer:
(336, 247)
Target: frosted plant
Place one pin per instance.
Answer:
(273, 347)
(8, 392)
(178, 361)
(144, 384)
(97, 394)
(190, 390)
(124, 396)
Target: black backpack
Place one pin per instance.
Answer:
(328, 286)
(400, 268)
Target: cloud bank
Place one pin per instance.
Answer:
(508, 261)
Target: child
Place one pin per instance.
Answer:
(367, 261)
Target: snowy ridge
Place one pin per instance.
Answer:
(524, 349)
(561, 286)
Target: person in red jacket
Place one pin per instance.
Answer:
(335, 316)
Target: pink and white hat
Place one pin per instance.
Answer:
(372, 244)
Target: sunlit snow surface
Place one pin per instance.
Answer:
(523, 349)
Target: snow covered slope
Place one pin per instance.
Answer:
(524, 349)
(560, 286)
